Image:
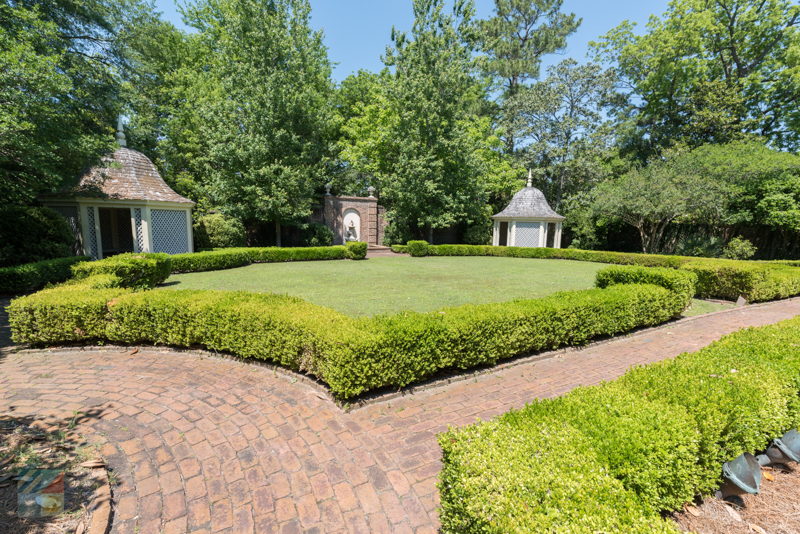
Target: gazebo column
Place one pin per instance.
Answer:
(495, 233)
(557, 240)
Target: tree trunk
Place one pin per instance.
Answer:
(278, 233)
(430, 234)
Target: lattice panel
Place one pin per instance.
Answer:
(90, 223)
(528, 234)
(139, 234)
(168, 228)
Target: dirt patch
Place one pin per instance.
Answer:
(34, 445)
(776, 510)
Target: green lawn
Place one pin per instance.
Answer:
(392, 284)
(388, 284)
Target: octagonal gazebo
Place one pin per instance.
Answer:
(528, 221)
(123, 205)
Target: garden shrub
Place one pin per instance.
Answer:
(662, 430)
(739, 248)
(218, 230)
(417, 249)
(209, 260)
(679, 281)
(277, 254)
(32, 234)
(32, 276)
(533, 476)
(399, 249)
(315, 234)
(76, 311)
(356, 250)
(136, 270)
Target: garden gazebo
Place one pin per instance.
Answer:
(123, 205)
(528, 221)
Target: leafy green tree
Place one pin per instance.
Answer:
(265, 107)
(707, 70)
(561, 121)
(514, 40)
(59, 86)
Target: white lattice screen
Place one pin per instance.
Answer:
(169, 231)
(527, 234)
(139, 234)
(92, 232)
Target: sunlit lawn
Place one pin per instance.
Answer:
(392, 284)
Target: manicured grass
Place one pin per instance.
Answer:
(390, 285)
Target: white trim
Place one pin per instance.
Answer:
(97, 235)
(133, 231)
(146, 226)
(189, 234)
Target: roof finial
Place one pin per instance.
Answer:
(530, 178)
(120, 133)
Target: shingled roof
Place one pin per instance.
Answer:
(528, 203)
(125, 175)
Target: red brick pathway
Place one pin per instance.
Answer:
(210, 445)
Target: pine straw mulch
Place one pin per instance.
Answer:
(776, 510)
(32, 444)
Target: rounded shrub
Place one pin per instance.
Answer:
(739, 248)
(218, 230)
(30, 234)
(417, 249)
(356, 250)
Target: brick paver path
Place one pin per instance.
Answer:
(205, 444)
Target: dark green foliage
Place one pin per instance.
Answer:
(417, 248)
(29, 234)
(679, 281)
(662, 430)
(209, 260)
(32, 276)
(136, 270)
(316, 235)
(216, 230)
(356, 250)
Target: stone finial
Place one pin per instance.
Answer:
(328, 189)
(530, 178)
(120, 133)
(371, 191)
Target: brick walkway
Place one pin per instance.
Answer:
(207, 444)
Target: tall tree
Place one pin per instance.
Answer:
(727, 66)
(514, 41)
(266, 114)
(561, 120)
(59, 84)
(427, 164)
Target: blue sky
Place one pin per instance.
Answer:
(357, 31)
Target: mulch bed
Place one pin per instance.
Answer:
(776, 510)
(35, 445)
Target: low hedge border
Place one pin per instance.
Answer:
(716, 278)
(135, 270)
(32, 276)
(228, 258)
(351, 355)
(652, 439)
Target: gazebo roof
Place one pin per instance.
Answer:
(528, 203)
(126, 175)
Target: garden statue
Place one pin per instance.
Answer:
(351, 234)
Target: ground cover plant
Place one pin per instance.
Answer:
(108, 301)
(652, 439)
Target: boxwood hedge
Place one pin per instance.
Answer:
(32, 276)
(716, 278)
(227, 258)
(662, 431)
(351, 355)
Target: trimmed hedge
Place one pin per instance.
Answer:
(662, 431)
(228, 258)
(716, 278)
(136, 270)
(351, 355)
(681, 282)
(32, 276)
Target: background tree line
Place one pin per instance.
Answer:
(675, 138)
